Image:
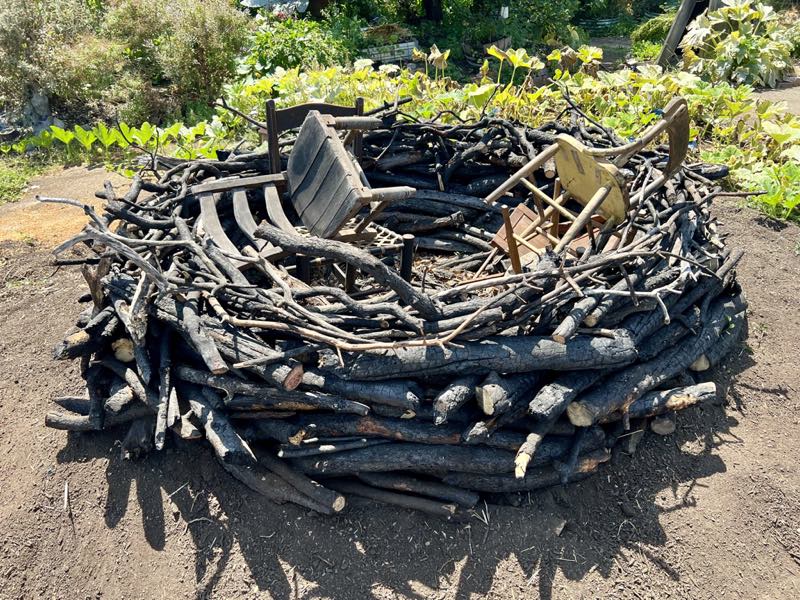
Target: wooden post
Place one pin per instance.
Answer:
(513, 251)
(303, 269)
(273, 142)
(407, 257)
(358, 137)
(349, 277)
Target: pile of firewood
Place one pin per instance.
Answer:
(422, 389)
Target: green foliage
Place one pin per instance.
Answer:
(345, 25)
(198, 54)
(288, 44)
(793, 37)
(781, 182)
(15, 174)
(742, 42)
(37, 41)
(644, 50)
(139, 25)
(653, 30)
(98, 59)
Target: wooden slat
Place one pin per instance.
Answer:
(275, 211)
(324, 183)
(292, 117)
(213, 226)
(243, 216)
(231, 183)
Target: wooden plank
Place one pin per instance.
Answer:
(213, 226)
(275, 210)
(675, 35)
(232, 183)
(245, 220)
(324, 183)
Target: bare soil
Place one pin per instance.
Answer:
(710, 512)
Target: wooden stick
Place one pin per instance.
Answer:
(513, 252)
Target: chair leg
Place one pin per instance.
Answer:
(407, 257)
(358, 138)
(304, 269)
(350, 273)
(273, 139)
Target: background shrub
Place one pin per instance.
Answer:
(198, 52)
(291, 43)
(743, 42)
(36, 40)
(654, 30)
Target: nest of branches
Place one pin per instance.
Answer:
(322, 368)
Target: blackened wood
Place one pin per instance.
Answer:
(403, 500)
(328, 498)
(165, 390)
(567, 467)
(272, 487)
(453, 397)
(413, 485)
(625, 387)
(659, 402)
(407, 257)
(97, 333)
(425, 458)
(139, 439)
(188, 316)
(497, 394)
(242, 395)
(120, 397)
(401, 430)
(144, 394)
(224, 440)
(546, 407)
(509, 354)
(534, 479)
(70, 421)
(401, 394)
(277, 430)
(328, 447)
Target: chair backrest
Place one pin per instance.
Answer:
(324, 183)
(280, 120)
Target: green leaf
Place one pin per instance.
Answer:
(497, 53)
(85, 138)
(62, 135)
(107, 137)
(481, 95)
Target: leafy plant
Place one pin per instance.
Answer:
(290, 43)
(781, 184)
(742, 42)
(653, 30)
(644, 50)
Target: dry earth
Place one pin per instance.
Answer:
(711, 512)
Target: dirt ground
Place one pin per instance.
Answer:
(710, 512)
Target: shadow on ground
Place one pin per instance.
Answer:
(583, 527)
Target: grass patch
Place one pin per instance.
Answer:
(15, 173)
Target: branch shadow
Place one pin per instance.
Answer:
(588, 526)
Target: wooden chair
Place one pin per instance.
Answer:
(588, 176)
(325, 187)
(280, 120)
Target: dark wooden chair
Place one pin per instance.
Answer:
(280, 120)
(326, 188)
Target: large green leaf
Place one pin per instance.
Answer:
(62, 135)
